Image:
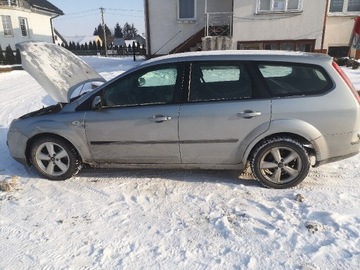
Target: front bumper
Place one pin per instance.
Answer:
(16, 142)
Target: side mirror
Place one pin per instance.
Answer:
(96, 103)
(141, 81)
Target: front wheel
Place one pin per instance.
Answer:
(54, 158)
(280, 163)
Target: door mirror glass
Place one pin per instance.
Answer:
(141, 81)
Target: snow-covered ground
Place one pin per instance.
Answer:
(166, 219)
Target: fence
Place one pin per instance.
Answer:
(7, 59)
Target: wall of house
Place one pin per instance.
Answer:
(169, 32)
(39, 27)
(338, 30)
(249, 26)
(219, 6)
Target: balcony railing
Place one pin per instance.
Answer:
(15, 3)
(219, 24)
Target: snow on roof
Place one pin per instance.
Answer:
(81, 39)
(130, 42)
(45, 5)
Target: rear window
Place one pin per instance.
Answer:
(287, 79)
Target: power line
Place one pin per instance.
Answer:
(80, 12)
(122, 9)
(124, 15)
(77, 17)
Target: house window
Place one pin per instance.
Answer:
(7, 26)
(344, 6)
(186, 9)
(304, 45)
(24, 27)
(279, 6)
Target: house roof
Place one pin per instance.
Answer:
(45, 5)
(81, 39)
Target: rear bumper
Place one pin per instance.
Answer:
(334, 159)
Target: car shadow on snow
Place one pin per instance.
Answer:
(193, 176)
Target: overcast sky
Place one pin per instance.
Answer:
(83, 16)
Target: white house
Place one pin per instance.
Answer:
(300, 25)
(26, 20)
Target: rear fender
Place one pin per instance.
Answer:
(290, 127)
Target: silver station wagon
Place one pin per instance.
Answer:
(279, 112)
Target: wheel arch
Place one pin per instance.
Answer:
(36, 137)
(302, 140)
(306, 134)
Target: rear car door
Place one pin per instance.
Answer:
(138, 121)
(225, 110)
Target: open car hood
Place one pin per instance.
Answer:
(56, 69)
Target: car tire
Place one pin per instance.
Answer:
(280, 162)
(54, 158)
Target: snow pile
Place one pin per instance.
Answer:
(169, 219)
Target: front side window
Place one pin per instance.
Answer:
(210, 82)
(279, 6)
(7, 26)
(152, 87)
(295, 80)
(344, 6)
(23, 26)
(186, 9)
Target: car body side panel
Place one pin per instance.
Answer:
(332, 115)
(212, 132)
(133, 134)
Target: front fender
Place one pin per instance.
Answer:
(69, 129)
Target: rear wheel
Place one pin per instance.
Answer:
(280, 163)
(54, 158)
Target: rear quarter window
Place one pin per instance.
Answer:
(287, 79)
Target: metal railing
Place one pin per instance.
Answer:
(15, 3)
(219, 24)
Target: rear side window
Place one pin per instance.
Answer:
(219, 81)
(295, 79)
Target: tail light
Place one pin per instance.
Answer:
(347, 81)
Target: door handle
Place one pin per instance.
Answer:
(160, 118)
(247, 114)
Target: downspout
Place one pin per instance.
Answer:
(324, 25)
(147, 27)
(52, 27)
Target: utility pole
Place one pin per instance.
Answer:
(104, 29)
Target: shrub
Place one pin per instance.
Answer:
(2, 57)
(9, 56)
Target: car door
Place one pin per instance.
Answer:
(138, 119)
(224, 112)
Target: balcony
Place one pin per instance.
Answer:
(15, 3)
(219, 24)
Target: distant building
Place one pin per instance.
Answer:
(119, 42)
(26, 20)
